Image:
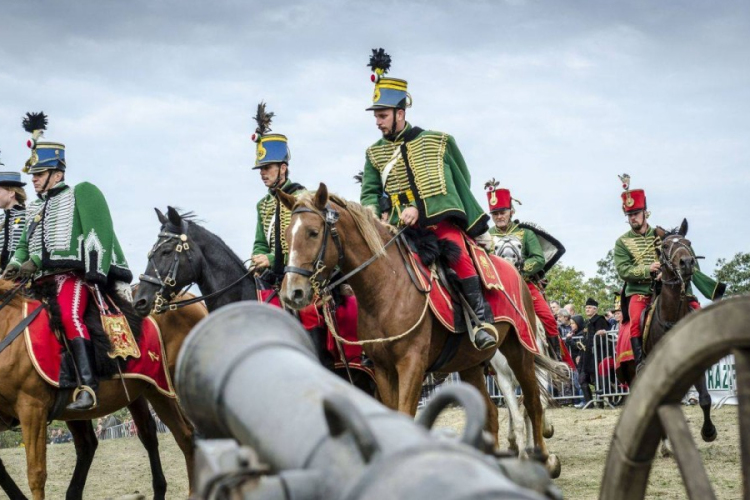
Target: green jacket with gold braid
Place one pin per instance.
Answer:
(265, 234)
(634, 254)
(434, 179)
(533, 256)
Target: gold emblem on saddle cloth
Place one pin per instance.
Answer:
(120, 336)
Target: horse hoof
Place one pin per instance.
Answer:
(711, 436)
(548, 433)
(666, 452)
(553, 466)
(513, 446)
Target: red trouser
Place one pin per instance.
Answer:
(464, 266)
(638, 303)
(542, 311)
(73, 297)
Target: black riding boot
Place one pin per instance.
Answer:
(637, 344)
(586, 389)
(472, 290)
(83, 353)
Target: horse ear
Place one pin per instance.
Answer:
(321, 197)
(174, 216)
(162, 218)
(287, 200)
(660, 232)
(683, 228)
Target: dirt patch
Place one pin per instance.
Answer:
(581, 442)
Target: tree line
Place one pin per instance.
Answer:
(567, 285)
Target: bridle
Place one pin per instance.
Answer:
(669, 246)
(167, 293)
(322, 286)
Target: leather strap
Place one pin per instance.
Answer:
(19, 328)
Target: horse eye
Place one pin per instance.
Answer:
(313, 233)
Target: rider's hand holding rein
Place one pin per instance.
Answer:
(410, 216)
(11, 272)
(655, 267)
(260, 261)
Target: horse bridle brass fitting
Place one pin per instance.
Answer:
(166, 292)
(675, 243)
(330, 218)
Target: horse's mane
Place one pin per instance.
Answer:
(367, 224)
(193, 221)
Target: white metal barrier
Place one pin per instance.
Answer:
(608, 389)
(128, 429)
(721, 380)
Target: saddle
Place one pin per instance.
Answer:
(54, 363)
(427, 259)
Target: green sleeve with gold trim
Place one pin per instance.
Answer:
(710, 288)
(260, 247)
(476, 218)
(372, 187)
(626, 267)
(533, 254)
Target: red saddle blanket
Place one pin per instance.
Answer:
(346, 319)
(45, 352)
(503, 287)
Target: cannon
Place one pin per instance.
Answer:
(280, 426)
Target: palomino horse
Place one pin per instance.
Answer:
(671, 305)
(27, 398)
(325, 233)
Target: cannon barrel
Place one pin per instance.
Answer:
(249, 372)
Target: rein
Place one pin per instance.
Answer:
(323, 288)
(161, 304)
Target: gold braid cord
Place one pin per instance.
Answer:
(332, 327)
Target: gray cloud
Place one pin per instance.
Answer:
(154, 101)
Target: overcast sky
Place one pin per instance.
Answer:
(154, 101)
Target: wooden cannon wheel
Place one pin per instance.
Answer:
(654, 404)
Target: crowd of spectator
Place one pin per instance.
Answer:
(59, 436)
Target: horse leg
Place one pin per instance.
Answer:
(475, 377)
(708, 431)
(9, 486)
(86, 443)
(146, 426)
(522, 363)
(387, 386)
(503, 377)
(34, 430)
(169, 411)
(411, 370)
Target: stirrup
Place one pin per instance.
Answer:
(90, 391)
(490, 330)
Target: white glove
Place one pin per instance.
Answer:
(485, 241)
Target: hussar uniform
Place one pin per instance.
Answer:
(12, 220)
(521, 244)
(424, 169)
(633, 255)
(273, 217)
(69, 239)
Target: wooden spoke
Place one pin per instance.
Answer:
(689, 460)
(742, 369)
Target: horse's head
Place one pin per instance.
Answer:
(510, 248)
(676, 256)
(315, 246)
(172, 264)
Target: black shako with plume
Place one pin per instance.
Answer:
(263, 119)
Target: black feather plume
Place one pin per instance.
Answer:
(380, 60)
(35, 121)
(491, 185)
(263, 119)
(359, 176)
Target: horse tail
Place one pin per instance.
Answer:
(558, 371)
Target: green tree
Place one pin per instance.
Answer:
(735, 273)
(566, 285)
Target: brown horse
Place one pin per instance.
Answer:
(671, 304)
(391, 305)
(25, 397)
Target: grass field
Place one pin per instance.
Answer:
(581, 441)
